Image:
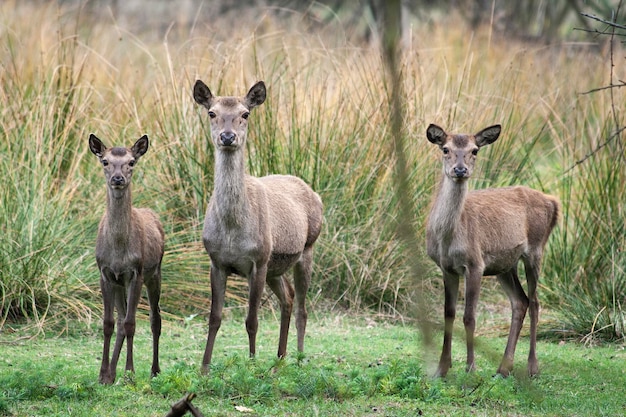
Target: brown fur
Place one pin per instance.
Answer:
(255, 227)
(129, 250)
(486, 232)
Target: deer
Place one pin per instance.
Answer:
(486, 232)
(255, 227)
(129, 251)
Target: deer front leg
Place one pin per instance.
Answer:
(451, 289)
(519, 304)
(256, 282)
(119, 297)
(108, 325)
(472, 292)
(130, 320)
(284, 292)
(218, 292)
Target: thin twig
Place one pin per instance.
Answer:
(607, 22)
(597, 32)
(596, 150)
(594, 90)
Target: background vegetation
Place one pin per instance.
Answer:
(92, 68)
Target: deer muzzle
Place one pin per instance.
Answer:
(118, 181)
(460, 172)
(227, 138)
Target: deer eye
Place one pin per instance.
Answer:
(212, 115)
(475, 152)
(245, 115)
(131, 163)
(105, 163)
(445, 151)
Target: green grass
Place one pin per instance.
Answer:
(354, 366)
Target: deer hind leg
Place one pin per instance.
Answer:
(108, 325)
(256, 282)
(284, 291)
(519, 304)
(153, 286)
(532, 268)
(302, 281)
(218, 292)
(472, 292)
(451, 289)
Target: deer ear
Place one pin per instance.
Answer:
(96, 146)
(202, 94)
(435, 134)
(141, 146)
(256, 95)
(488, 135)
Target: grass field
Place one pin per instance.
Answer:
(353, 366)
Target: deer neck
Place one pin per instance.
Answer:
(119, 213)
(231, 199)
(445, 215)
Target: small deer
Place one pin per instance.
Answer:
(486, 232)
(129, 250)
(257, 228)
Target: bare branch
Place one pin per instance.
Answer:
(596, 150)
(621, 84)
(598, 32)
(606, 22)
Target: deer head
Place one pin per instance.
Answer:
(229, 115)
(118, 162)
(459, 151)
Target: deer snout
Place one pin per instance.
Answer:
(118, 181)
(460, 172)
(227, 138)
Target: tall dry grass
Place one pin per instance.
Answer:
(326, 120)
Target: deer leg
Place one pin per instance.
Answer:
(472, 292)
(119, 296)
(519, 304)
(108, 325)
(283, 290)
(130, 321)
(154, 295)
(302, 281)
(451, 289)
(256, 282)
(532, 268)
(218, 292)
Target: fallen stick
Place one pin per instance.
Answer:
(180, 408)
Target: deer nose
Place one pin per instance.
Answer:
(227, 138)
(117, 180)
(460, 172)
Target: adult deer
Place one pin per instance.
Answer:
(487, 232)
(129, 250)
(257, 228)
